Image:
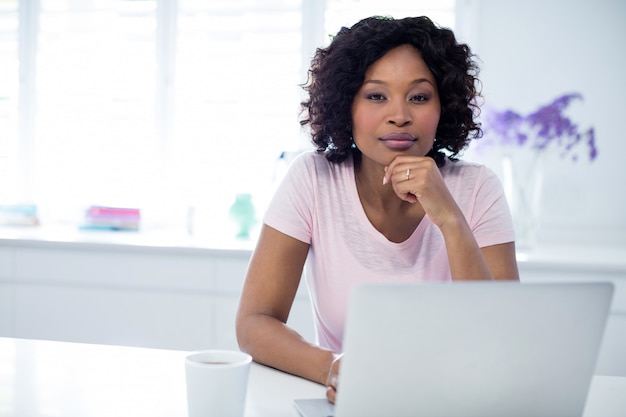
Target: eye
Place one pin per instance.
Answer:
(375, 97)
(418, 98)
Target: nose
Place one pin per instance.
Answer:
(399, 114)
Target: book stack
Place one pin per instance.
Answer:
(19, 215)
(112, 218)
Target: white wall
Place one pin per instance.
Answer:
(535, 50)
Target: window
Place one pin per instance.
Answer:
(237, 70)
(159, 104)
(9, 90)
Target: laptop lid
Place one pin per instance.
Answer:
(471, 349)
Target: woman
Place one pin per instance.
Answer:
(383, 198)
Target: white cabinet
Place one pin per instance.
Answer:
(137, 296)
(6, 291)
(112, 315)
(589, 264)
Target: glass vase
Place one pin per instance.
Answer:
(523, 183)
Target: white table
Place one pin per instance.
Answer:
(43, 378)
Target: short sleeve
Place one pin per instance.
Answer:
(291, 208)
(491, 220)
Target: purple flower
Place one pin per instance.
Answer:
(540, 129)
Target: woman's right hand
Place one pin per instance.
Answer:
(333, 379)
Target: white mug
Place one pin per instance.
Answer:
(217, 381)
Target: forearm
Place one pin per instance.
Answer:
(464, 255)
(272, 343)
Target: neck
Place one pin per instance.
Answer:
(369, 184)
(394, 218)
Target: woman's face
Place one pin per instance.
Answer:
(396, 110)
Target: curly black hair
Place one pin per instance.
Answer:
(337, 72)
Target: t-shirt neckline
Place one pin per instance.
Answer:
(350, 178)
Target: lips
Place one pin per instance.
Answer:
(398, 141)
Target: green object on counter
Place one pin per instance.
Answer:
(243, 213)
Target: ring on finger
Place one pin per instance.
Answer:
(408, 174)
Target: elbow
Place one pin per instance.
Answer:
(249, 333)
(242, 333)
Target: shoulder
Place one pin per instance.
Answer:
(308, 159)
(459, 169)
(471, 179)
(315, 163)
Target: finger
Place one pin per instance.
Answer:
(331, 394)
(400, 160)
(403, 182)
(396, 172)
(410, 198)
(391, 171)
(404, 175)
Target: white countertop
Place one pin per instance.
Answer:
(577, 257)
(42, 378)
(154, 240)
(574, 257)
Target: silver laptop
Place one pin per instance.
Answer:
(468, 349)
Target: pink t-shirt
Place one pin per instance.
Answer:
(318, 203)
